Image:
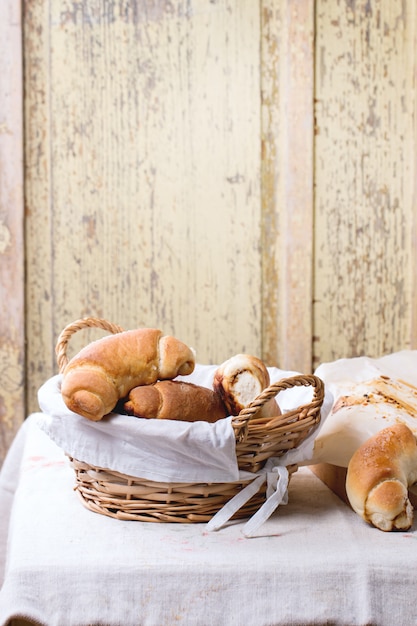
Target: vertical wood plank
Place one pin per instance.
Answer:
(365, 178)
(287, 181)
(12, 401)
(412, 155)
(40, 358)
(148, 208)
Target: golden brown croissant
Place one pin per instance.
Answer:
(176, 400)
(378, 477)
(239, 380)
(107, 369)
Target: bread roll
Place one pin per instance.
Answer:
(378, 477)
(176, 400)
(107, 369)
(239, 380)
(361, 409)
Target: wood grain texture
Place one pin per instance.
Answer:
(287, 182)
(12, 392)
(39, 242)
(144, 119)
(412, 183)
(173, 178)
(365, 177)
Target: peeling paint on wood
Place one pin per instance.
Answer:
(11, 376)
(40, 358)
(147, 209)
(170, 163)
(5, 237)
(365, 178)
(12, 393)
(287, 182)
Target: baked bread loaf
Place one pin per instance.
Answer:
(239, 380)
(107, 369)
(378, 477)
(176, 400)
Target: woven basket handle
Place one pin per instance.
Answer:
(71, 329)
(240, 422)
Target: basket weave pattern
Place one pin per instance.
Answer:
(117, 495)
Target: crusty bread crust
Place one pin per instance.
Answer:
(175, 400)
(107, 369)
(378, 477)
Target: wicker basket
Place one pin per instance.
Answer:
(125, 497)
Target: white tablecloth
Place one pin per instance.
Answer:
(313, 562)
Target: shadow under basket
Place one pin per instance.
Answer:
(124, 497)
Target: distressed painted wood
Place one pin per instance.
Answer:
(412, 182)
(287, 182)
(144, 122)
(365, 178)
(173, 179)
(39, 249)
(12, 398)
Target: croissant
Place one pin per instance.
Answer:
(239, 380)
(176, 400)
(379, 474)
(107, 369)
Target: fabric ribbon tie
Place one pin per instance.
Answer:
(277, 477)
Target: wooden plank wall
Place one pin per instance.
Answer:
(365, 178)
(287, 207)
(12, 352)
(147, 123)
(241, 174)
(150, 149)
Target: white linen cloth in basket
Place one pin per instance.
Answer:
(169, 450)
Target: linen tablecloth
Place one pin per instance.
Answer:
(313, 562)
